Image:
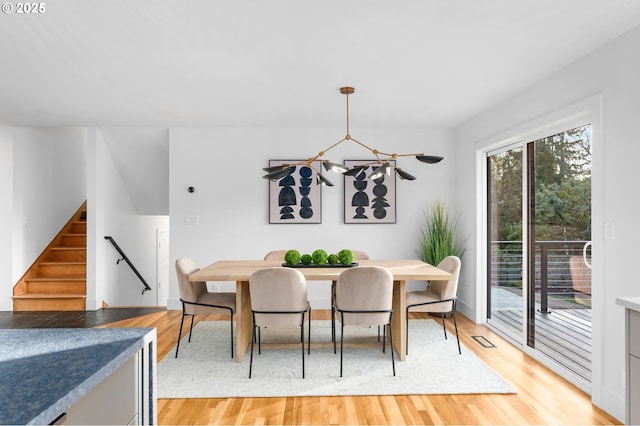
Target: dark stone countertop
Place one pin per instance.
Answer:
(45, 371)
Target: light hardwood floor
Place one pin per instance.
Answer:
(542, 396)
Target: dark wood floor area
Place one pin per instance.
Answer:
(563, 335)
(71, 319)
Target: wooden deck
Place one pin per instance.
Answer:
(564, 334)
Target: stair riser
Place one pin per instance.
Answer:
(79, 228)
(57, 279)
(70, 255)
(57, 287)
(59, 304)
(71, 240)
(62, 270)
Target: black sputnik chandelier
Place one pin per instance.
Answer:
(381, 165)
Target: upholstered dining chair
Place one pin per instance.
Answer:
(279, 299)
(275, 255)
(439, 297)
(364, 297)
(197, 300)
(357, 255)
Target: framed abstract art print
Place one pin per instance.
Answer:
(366, 200)
(295, 198)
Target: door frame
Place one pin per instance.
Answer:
(587, 111)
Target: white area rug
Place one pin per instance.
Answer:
(204, 368)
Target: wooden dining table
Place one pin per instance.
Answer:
(240, 271)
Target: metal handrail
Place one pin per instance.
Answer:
(545, 247)
(126, 259)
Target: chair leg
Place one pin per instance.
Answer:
(341, 344)
(333, 328)
(443, 326)
(384, 337)
(231, 320)
(251, 356)
(309, 335)
(179, 334)
(191, 328)
(393, 361)
(455, 325)
(302, 343)
(406, 329)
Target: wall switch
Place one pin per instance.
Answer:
(610, 231)
(191, 220)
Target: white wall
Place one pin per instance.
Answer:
(43, 179)
(6, 217)
(45, 176)
(231, 199)
(112, 213)
(49, 186)
(612, 71)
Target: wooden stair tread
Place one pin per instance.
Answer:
(64, 248)
(49, 296)
(58, 278)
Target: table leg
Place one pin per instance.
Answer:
(244, 320)
(398, 323)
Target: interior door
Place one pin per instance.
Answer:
(162, 266)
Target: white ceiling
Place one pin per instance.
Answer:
(280, 63)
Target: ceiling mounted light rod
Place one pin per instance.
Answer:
(384, 165)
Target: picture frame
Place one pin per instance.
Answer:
(295, 198)
(367, 201)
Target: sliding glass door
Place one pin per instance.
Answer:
(539, 232)
(505, 268)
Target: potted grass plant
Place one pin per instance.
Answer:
(439, 236)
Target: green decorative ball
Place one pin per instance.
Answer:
(319, 257)
(306, 259)
(332, 259)
(292, 257)
(345, 256)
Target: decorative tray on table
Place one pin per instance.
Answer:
(326, 265)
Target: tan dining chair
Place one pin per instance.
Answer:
(357, 255)
(439, 297)
(275, 255)
(278, 299)
(198, 300)
(364, 297)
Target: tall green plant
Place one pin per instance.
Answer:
(438, 237)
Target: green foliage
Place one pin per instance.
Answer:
(306, 259)
(319, 257)
(345, 256)
(332, 259)
(292, 257)
(562, 170)
(438, 237)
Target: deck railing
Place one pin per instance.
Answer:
(552, 274)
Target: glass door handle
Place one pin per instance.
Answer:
(584, 254)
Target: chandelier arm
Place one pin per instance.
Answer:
(400, 155)
(321, 153)
(373, 151)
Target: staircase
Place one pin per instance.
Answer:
(57, 281)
